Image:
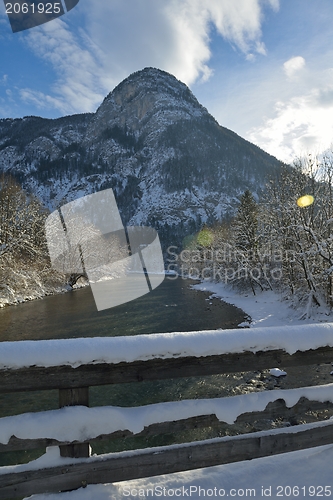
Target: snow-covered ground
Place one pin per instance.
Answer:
(265, 308)
(303, 474)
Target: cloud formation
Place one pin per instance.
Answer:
(293, 66)
(122, 37)
(301, 124)
(78, 86)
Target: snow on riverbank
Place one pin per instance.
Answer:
(15, 298)
(265, 309)
(11, 297)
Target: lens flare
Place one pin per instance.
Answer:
(305, 201)
(205, 238)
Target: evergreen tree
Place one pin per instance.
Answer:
(246, 224)
(248, 267)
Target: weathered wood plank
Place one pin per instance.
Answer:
(64, 377)
(74, 397)
(164, 460)
(273, 410)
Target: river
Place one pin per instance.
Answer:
(171, 307)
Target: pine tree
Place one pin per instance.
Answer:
(246, 223)
(245, 230)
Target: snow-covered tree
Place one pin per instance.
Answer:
(21, 222)
(24, 262)
(299, 211)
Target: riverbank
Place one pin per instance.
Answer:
(266, 308)
(11, 297)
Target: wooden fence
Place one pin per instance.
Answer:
(73, 385)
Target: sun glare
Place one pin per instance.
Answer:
(305, 201)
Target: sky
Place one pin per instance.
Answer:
(262, 68)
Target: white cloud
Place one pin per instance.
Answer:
(41, 100)
(300, 125)
(77, 87)
(122, 37)
(79, 73)
(173, 34)
(293, 66)
(275, 4)
(238, 22)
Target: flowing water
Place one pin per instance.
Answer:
(173, 306)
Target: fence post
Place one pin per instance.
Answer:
(74, 397)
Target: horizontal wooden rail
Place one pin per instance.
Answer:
(165, 460)
(65, 377)
(272, 411)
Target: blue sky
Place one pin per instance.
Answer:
(263, 68)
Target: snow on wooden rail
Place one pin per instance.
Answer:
(81, 424)
(114, 467)
(79, 363)
(83, 351)
(75, 364)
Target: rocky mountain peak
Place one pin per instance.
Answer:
(145, 95)
(148, 82)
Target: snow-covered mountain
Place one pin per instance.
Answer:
(170, 164)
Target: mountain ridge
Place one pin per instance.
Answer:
(169, 162)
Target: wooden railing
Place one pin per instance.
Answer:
(73, 385)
